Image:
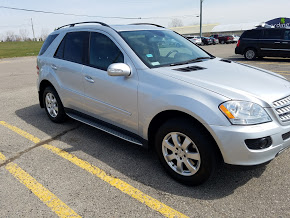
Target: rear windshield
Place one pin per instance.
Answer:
(47, 43)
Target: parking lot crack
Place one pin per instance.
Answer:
(40, 143)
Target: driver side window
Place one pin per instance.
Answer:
(103, 52)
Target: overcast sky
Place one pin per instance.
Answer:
(159, 11)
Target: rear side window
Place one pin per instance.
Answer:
(103, 52)
(74, 47)
(47, 43)
(287, 35)
(272, 34)
(251, 34)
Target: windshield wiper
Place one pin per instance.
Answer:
(191, 61)
(204, 58)
(186, 62)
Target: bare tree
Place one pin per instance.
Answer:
(1, 38)
(24, 34)
(18, 38)
(44, 34)
(10, 36)
(175, 23)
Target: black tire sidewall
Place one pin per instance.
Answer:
(201, 140)
(61, 113)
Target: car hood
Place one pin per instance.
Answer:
(233, 80)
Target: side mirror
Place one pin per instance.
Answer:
(119, 69)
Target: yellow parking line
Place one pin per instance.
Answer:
(115, 182)
(2, 157)
(20, 132)
(53, 202)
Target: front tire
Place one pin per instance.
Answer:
(186, 151)
(53, 105)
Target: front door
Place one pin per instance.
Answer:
(111, 99)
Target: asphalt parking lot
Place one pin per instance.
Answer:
(71, 169)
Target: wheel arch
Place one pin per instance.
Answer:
(42, 86)
(164, 116)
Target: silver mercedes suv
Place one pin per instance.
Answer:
(150, 86)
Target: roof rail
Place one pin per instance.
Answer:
(147, 24)
(73, 24)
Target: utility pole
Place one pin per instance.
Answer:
(200, 19)
(32, 30)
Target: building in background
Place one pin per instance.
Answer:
(229, 29)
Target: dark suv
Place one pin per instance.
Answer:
(261, 42)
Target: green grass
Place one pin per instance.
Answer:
(19, 49)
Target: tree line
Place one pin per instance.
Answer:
(23, 35)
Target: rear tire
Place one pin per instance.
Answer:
(250, 54)
(186, 151)
(53, 105)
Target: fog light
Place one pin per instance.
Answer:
(260, 143)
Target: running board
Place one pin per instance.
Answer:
(106, 128)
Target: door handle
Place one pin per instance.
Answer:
(89, 79)
(285, 42)
(54, 67)
(277, 42)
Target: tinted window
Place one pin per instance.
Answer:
(47, 43)
(272, 34)
(74, 47)
(103, 52)
(287, 35)
(59, 52)
(251, 34)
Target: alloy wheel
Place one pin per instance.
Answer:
(181, 154)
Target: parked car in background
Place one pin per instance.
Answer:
(224, 39)
(261, 42)
(215, 41)
(207, 40)
(236, 38)
(195, 39)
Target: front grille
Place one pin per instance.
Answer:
(282, 108)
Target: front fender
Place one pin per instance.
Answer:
(202, 107)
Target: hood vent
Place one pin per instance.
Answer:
(226, 60)
(191, 68)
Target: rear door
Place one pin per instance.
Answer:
(69, 58)
(285, 43)
(271, 43)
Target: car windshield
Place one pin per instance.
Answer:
(157, 48)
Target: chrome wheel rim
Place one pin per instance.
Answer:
(51, 105)
(250, 54)
(181, 154)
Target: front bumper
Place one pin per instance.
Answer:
(231, 141)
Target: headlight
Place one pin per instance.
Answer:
(244, 113)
